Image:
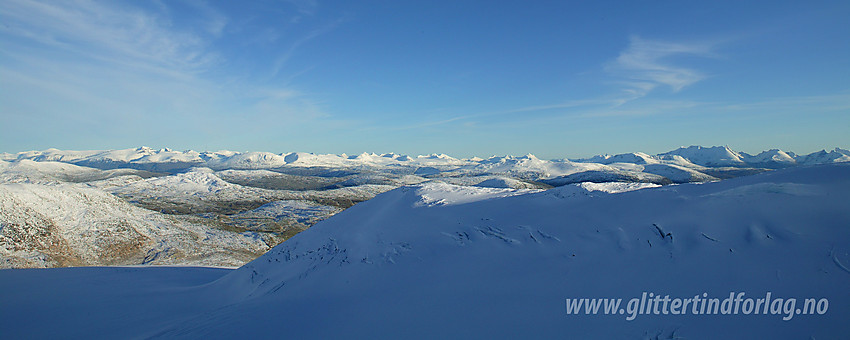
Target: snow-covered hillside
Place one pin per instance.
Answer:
(71, 225)
(60, 214)
(28, 171)
(443, 261)
(200, 190)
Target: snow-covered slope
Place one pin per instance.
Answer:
(438, 193)
(470, 268)
(28, 171)
(529, 166)
(72, 225)
(505, 182)
(501, 266)
(615, 187)
(607, 175)
(69, 215)
(677, 173)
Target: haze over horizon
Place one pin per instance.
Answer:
(466, 79)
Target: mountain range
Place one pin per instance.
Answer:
(224, 208)
(145, 158)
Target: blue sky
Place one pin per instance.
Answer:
(557, 79)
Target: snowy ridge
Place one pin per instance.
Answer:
(837, 155)
(634, 158)
(437, 193)
(506, 182)
(772, 156)
(28, 171)
(457, 258)
(248, 160)
(202, 190)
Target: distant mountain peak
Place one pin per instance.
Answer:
(708, 156)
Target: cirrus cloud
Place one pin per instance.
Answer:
(647, 64)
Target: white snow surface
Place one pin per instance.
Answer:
(45, 172)
(72, 225)
(439, 193)
(615, 187)
(504, 182)
(497, 266)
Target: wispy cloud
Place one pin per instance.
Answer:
(212, 19)
(305, 7)
(284, 57)
(136, 69)
(517, 113)
(106, 33)
(647, 64)
(642, 67)
(603, 108)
